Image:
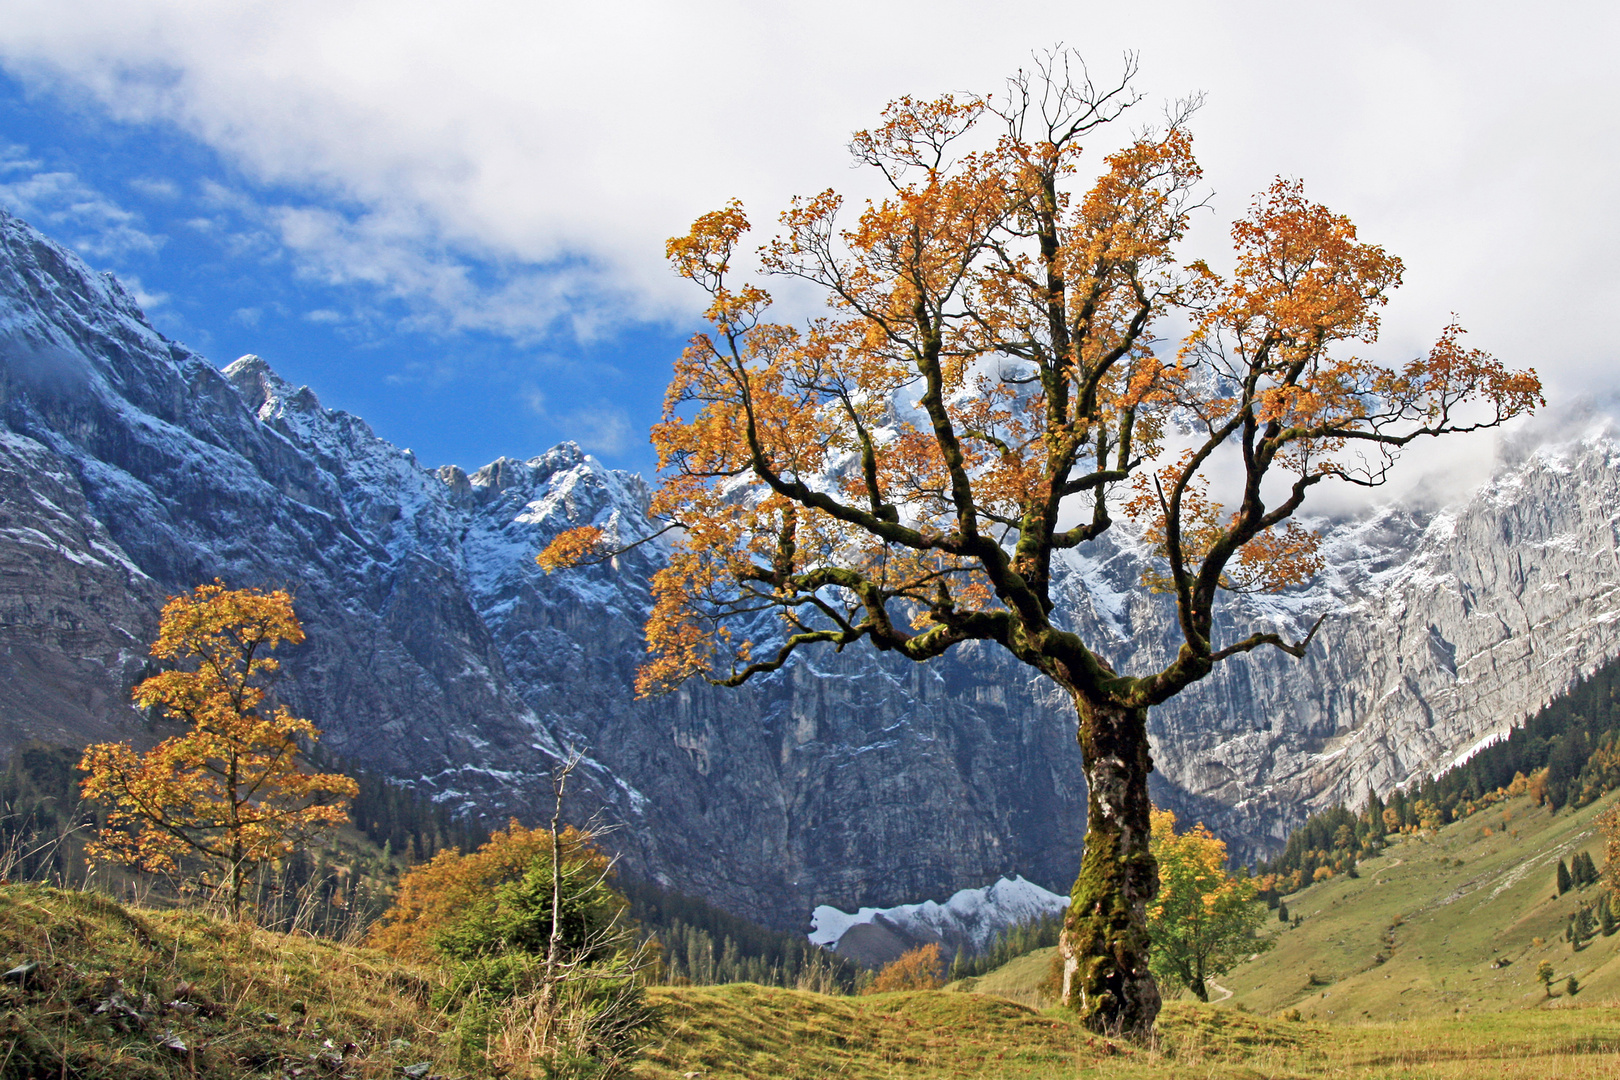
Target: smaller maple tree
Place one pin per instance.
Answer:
(229, 791)
(1202, 920)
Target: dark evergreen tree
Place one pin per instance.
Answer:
(1403, 810)
(1564, 761)
(705, 945)
(409, 823)
(1564, 881)
(1375, 815)
(1583, 926)
(43, 821)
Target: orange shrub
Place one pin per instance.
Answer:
(1537, 786)
(922, 968)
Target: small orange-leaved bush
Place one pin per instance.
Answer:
(498, 899)
(922, 968)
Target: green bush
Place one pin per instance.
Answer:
(516, 916)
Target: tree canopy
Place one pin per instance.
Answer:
(988, 390)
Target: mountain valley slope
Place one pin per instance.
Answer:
(131, 468)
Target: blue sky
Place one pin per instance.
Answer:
(196, 240)
(449, 219)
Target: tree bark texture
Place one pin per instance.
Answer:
(1104, 944)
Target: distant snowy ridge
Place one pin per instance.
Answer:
(969, 920)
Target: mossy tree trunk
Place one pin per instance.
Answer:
(1104, 945)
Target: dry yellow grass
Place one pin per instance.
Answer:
(132, 994)
(738, 1032)
(743, 1030)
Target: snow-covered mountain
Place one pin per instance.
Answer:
(131, 468)
(968, 922)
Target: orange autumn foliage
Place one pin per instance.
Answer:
(990, 360)
(922, 968)
(229, 791)
(571, 548)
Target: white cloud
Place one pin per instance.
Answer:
(148, 299)
(1470, 137)
(399, 257)
(604, 429)
(600, 427)
(507, 165)
(533, 399)
(93, 223)
(156, 187)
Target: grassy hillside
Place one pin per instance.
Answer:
(1442, 925)
(124, 993)
(1453, 923)
(1019, 979)
(745, 1032)
(137, 994)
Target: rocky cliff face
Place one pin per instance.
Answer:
(439, 652)
(1440, 631)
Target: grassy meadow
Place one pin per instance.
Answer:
(1423, 966)
(134, 994)
(738, 1032)
(1450, 924)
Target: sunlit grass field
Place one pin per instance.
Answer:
(1423, 966)
(749, 1031)
(1450, 924)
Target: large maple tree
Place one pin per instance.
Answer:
(987, 391)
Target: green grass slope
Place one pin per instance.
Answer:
(1020, 979)
(134, 994)
(120, 992)
(749, 1032)
(743, 1031)
(1440, 925)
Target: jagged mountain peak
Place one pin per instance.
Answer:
(505, 472)
(967, 922)
(39, 272)
(262, 390)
